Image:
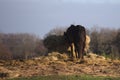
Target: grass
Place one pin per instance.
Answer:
(70, 77)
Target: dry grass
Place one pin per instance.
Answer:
(59, 64)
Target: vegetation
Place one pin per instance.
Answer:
(24, 46)
(105, 42)
(29, 48)
(70, 77)
(20, 46)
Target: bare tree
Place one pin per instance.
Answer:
(5, 52)
(21, 45)
(103, 41)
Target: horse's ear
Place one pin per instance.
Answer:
(78, 25)
(72, 25)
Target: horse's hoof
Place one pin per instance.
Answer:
(81, 61)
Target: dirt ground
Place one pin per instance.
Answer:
(59, 64)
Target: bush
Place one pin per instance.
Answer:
(55, 43)
(21, 46)
(5, 52)
(105, 41)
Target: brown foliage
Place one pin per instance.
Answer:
(104, 40)
(21, 46)
(5, 52)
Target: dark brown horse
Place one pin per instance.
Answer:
(76, 38)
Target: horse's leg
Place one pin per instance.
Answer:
(76, 50)
(73, 51)
(83, 49)
(79, 50)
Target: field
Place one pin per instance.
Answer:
(70, 77)
(57, 66)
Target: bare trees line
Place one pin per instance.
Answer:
(24, 45)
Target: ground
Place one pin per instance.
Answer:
(59, 64)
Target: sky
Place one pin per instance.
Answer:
(40, 16)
